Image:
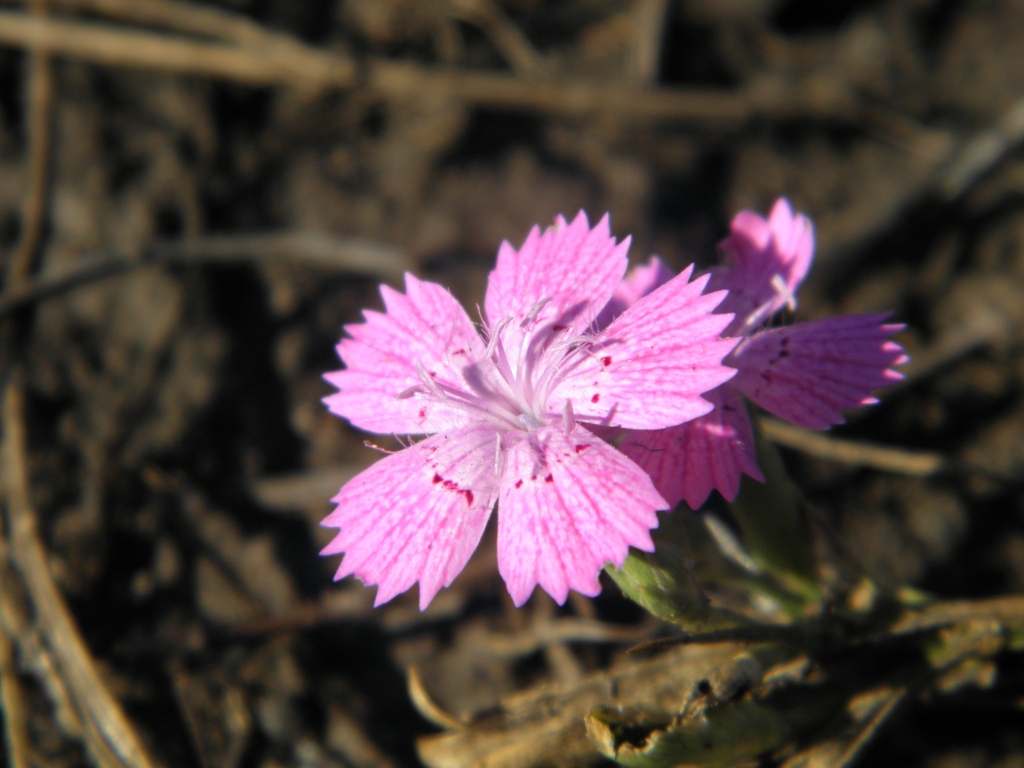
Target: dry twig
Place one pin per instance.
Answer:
(506, 37)
(915, 463)
(316, 249)
(109, 735)
(39, 133)
(12, 700)
(121, 47)
(315, 70)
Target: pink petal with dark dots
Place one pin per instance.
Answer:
(417, 515)
(688, 461)
(809, 373)
(648, 369)
(569, 505)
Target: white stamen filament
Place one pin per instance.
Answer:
(782, 290)
(534, 311)
(770, 307)
(514, 398)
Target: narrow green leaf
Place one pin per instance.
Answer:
(774, 529)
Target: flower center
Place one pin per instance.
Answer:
(782, 297)
(510, 385)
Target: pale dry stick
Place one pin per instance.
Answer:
(871, 711)
(562, 96)
(914, 463)
(107, 727)
(32, 656)
(12, 699)
(38, 130)
(208, 21)
(185, 17)
(119, 47)
(982, 153)
(122, 47)
(511, 43)
(550, 632)
(39, 133)
(316, 249)
(1007, 610)
(649, 23)
(955, 175)
(425, 704)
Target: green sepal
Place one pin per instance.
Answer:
(661, 583)
(773, 527)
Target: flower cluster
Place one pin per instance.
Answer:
(805, 373)
(569, 351)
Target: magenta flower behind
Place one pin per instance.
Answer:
(806, 373)
(507, 413)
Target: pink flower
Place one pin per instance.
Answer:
(507, 414)
(805, 373)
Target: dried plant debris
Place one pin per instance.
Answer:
(196, 196)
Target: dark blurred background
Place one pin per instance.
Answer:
(253, 169)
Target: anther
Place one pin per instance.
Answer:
(493, 342)
(783, 292)
(534, 311)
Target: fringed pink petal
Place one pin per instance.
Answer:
(809, 373)
(794, 242)
(425, 327)
(688, 461)
(569, 505)
(648, 369)
(417, 515)
(757, 252)
(571, 267)
(637, 283)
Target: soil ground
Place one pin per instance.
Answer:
(179, 458)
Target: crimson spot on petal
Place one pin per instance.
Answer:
(519, 483)
(607, 360)
(437, 478)
(549, 479)
(595, 398)
(581, 448)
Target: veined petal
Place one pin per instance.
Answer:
(422, 329)
(574, 267)
(638, 282)
(648, 368)
(686, 462)
(809, 372)
(794, 242)
(758, 251)
(569, 505)
(416, 515)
